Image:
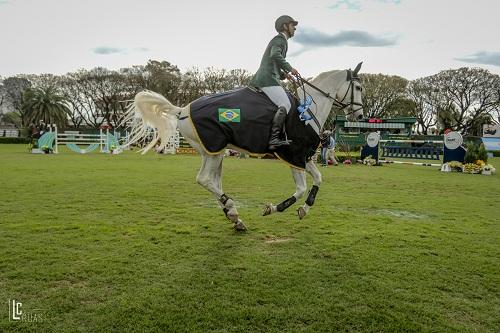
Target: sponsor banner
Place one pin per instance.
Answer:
(491, 144)
(491, 131)
(372, 139)
(453, 140)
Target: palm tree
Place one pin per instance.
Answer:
(45, 104)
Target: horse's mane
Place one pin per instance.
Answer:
(324, 75)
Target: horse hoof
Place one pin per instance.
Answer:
(239, 226)
(301, 212)
(233, 218)
(268, 209)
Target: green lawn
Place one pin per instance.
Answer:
(131, 243)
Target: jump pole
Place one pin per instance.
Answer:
(100, 139)
(56, 150)
(410, 163)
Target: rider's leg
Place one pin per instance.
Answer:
(279, 97)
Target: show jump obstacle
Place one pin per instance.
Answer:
(105, 141)
(450, 148)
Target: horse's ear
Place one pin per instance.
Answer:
(356, 70)
(349, 75)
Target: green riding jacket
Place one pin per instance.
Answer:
(272, 64)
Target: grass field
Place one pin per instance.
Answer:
(130, 243)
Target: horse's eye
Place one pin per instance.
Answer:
(359, 88)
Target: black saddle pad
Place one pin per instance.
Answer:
(243, 118)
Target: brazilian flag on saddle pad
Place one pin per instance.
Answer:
(229, 115)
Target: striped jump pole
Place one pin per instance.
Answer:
(411, 163)
(56, 150)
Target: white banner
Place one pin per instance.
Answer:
(491, 131)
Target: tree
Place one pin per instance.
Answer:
(192, 86)
(12, 118)
(2, 93)
(65, 85)
(163, 78)
(446, 116)
(78, 103)
(42, 80)
(379, 91)
(220, 80)
(216, 80)
(238, 78)
(471, 91)
(14, 88)
(2, 99)
(496, 111)
(401, 107)
(476, 128)
(99, 96)
(45, 104)
(427, 103)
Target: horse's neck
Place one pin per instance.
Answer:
(330, 83)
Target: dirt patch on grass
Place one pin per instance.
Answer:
(276, 239)
(404, 214)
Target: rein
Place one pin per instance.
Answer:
(297, 82)
(340, 104)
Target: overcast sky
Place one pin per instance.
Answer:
(410, 38)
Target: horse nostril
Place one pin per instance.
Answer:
(360, 116)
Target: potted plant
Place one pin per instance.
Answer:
(455, 166)
(472, 168)
(488, 169)
(369, 161)
(46, 149)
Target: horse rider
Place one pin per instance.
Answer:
(273, 68)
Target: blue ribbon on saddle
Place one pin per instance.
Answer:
(302, 108)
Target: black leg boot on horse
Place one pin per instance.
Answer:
(277, 128)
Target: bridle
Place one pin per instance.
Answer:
(340, 104)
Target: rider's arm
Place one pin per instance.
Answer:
(276, 55)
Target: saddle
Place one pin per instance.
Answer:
(243, 118)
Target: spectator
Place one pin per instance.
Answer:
(326, 143)
(330, 152)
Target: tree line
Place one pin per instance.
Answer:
(459, 99)
(97, 97)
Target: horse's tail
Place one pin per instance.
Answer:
(151, 113)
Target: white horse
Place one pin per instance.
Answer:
(151, 110)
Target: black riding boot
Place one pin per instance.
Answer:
(276, 129)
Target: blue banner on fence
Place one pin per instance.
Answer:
(491, 144)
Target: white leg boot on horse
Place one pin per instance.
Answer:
(312, 169)
(299, 177)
